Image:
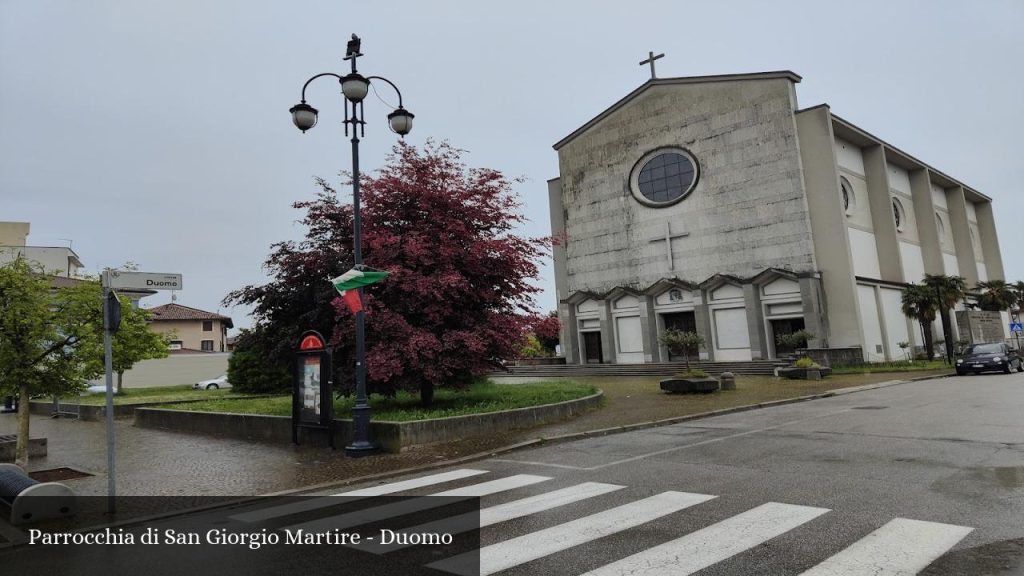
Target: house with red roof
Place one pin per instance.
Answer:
(193, 330)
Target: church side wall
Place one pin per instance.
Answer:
(835, 254)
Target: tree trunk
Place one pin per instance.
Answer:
(947, 335)
(21, 447)
(686, 358)
(120, 375)
(426, 394)
(929, 346)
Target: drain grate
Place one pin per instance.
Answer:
(57, 475)
(869, 407)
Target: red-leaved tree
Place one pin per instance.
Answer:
(459, 295)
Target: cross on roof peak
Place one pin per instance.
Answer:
(650, 60)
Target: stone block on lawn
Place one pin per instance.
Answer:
(689, 385)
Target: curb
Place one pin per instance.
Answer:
(543, 441)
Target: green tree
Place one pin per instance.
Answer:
(681, 343)
(948, 291)
(920, 303)
(996, 295)
(46, 339)
(133, 341)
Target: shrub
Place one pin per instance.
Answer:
(794, 340)
(804, 363)
(251, 369)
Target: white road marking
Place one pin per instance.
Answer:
(711, 545)
(672, 449)
(516, 551)
(900, 548)
(502, 512)
(412, 505)
(414, 483)
(306, 505)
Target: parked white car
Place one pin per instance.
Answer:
(218, 382)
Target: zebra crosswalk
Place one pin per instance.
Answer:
(901, 546)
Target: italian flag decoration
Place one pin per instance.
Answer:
(348, 285)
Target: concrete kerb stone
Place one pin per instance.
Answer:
(542, 441)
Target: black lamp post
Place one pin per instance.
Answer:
(354, 87)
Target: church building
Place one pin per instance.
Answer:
(715, 204)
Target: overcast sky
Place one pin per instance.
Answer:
(158, 131)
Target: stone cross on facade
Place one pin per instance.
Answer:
(650, 60)
(667, 239)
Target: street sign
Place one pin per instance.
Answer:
(141, 280)
(1016, 327)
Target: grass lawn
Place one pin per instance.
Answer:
(478, 398)
(157, 394)
(902, 366)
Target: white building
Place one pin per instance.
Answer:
(716, 204)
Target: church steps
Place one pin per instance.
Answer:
(762, 367)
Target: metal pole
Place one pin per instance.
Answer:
(108, 365)
(360, 445)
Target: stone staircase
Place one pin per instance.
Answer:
(764, 367)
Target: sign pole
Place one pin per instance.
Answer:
(108, 367)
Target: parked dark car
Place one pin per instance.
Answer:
(989, 357)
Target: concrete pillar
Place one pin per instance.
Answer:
(570, 333)
(989, 241)
(828, 226)
(882, 221)
(879, 305)
(957, 203)
(558, 251)
(815, 318)
(755, 321)
(649, 329)
(927, 229)
(702, 315)
(607, 333)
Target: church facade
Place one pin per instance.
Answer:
(715, 204)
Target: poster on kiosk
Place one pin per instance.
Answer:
(311, 397)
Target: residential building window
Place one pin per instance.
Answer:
(174, 345)
(207, 345)
(207, 325)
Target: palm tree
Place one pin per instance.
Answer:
(1018, 288)
(919, 303)
(996, 295)
(948, 290)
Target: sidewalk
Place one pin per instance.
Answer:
(156, 462)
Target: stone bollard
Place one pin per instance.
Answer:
(813, 374)
(727, 381)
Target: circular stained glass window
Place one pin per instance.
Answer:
(664, 177)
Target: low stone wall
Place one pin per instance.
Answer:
(392, 436)
(8, 443)
(837, 356)
(93, 412)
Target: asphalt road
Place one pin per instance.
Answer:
(921, 478)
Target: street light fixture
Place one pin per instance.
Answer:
(355, 87)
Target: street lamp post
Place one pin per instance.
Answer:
(354, 87)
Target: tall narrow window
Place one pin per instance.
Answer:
(849, 198)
